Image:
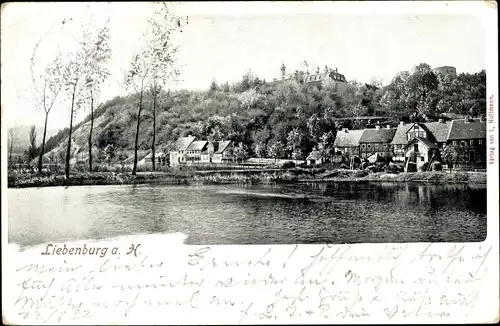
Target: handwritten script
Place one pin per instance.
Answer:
(260, 284)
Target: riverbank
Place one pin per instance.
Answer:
(263, 176)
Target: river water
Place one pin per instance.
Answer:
(251, 214)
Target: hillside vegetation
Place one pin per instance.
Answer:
(279, 119)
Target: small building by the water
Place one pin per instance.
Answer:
(314, 158)
(178, 151)
(377, 142)
(162, 156)
(224, 152)
(434, 132)
(193, 151)
(469, 137)
(420, 151)
(347, 142)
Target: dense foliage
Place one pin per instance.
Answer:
(283, 119)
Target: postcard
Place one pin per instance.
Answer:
(249, 163)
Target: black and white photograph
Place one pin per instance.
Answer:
(242, 127)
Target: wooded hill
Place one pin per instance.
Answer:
(279, 119)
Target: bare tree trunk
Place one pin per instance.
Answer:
(136, 144)
(154, 133)
(68, 150)
(91, 129)
(42, 149)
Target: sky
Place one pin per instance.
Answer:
(223, 41)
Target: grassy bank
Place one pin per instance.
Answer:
(426, 177)
(218, 177)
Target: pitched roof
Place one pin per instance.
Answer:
(221, 146)
(425, 141)
(400, 135)
(183, 143)
(314, 155)
(467, 130)
(439, 130)
(377, 135)
(348, 138)
(197, 145)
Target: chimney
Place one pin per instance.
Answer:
(377, 127)
(467, 119)
(441, 121)
(401, 123)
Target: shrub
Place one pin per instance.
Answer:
(436, 166)
(288, 165)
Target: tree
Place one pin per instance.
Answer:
(294, 142)
(240, 152)
(213, 86)
(97, 53)
(452, 153)
(45, 85)
(122, 158)
(46, 89)
(326, 144)
(260, 140)
(32, 137)
(12, 140)
(109, 153)
(275, 149)
(212, 129)
(74, 79)
(153, 65)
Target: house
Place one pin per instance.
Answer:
(314, 158)
(400, 140)
(178, 151)
(377, 142)
(420, 150)
(215, 152)
(468, 136)
(193, 151)
(347, 142)
(224, 152)
(162, 156)
(208, 153)
(435, 132)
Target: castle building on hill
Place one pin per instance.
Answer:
(315, 76)
(446, 70)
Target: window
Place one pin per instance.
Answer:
(363, 146)
(480, 142)
(369, 146)
(385, 146)
(472, 142)
(454, 143)
(422, 159)
(415, 148)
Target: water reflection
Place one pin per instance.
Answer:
(252, 214)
